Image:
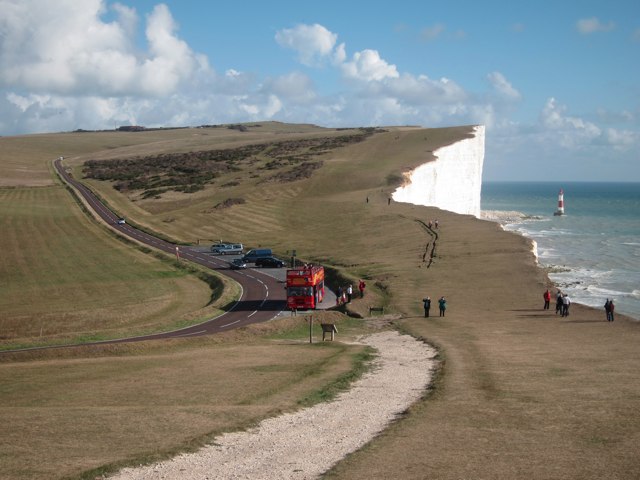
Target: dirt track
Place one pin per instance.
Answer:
(305, 444)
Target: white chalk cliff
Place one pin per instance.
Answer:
(453, 181)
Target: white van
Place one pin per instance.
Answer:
(227, 248)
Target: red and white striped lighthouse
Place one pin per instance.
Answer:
(560, 210)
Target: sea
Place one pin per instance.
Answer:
(593, 251)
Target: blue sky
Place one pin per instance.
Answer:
(557, 84)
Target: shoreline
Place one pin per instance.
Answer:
(504, 217)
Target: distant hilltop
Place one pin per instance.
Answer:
(453, 181)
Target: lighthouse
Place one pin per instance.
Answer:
(560, 210)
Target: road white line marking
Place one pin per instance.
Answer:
(252, 314)
(193, 333)
(228, 324)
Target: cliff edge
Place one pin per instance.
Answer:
(453, 181)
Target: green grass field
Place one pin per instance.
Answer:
(521, 393)
(65, 279)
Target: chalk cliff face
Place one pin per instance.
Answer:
(452, 181)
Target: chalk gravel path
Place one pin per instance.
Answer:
(307, 443)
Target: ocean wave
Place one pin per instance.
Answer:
(554, 232)
(557, 268)
(590, 283)
(534, 249)
(502, 216)
(606, 292)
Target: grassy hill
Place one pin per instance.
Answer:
(521, 393)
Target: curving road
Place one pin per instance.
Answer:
(263, 296)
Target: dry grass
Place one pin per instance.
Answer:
(68, 412)
(521, 394)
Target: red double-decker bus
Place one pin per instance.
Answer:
(305, 287)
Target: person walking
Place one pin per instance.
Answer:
(361, 287)
(442, 303)
(566, 302)
(609, 308)
(547, 299)
(427, 306)
(559, 302)
(349, 293)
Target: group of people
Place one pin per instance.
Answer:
(609, 307)
(563, 302)
(433, 223)
(442, 305)
(345, 294)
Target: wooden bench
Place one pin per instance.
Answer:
(328, 328)
(376, 309)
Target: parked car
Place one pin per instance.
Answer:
(217, 247)
(237, 264)
(257, 253)
(227, 248)
(270, 262)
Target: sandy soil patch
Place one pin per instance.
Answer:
(305, 444)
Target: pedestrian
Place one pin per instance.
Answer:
(609, 307)
(427, 306)
(430, 224)
(367, 199)
(436, 223)
(442, 303)
(339, 296)
(349, 293)
(361, 287)
(559, 302)
(389, 201)
(547, 299)
(343, 299)
(566, 302)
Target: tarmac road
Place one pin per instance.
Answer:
(263, 296)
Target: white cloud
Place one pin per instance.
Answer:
(367, 65)
(66, 67)
(340, 54)
(65, 47)
(503, 87)
(576, 133)
(422, 90)
(624, 116)
(572, 131)
(591, 25)
(432, 32)
(619, 139)
(312, 42)
(295, 87)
